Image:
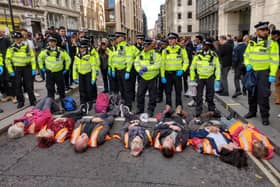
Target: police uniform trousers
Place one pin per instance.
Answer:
(104, 72)
(124, 87)
(172, 79)
(143, 87)
(53, 78)
(261, 95)
(85, 88)
(113, 85)
(210, 91)
(132, 80)
(23, 77)
(160, 89)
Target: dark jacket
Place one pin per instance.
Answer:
(237, 55)
(103, 56)
(225, 53)
(59, 43)
(5, 43)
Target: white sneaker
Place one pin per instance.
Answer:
(186, 94)
(25, 95)
(36, 94)
(191, 103)
(278, 116)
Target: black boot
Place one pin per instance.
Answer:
(250, 115)
(20, 105)
(265, 122)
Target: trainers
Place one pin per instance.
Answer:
(14, 100)
(25, 95)
(278, 115)
(191, 103)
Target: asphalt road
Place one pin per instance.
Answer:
(22, 163)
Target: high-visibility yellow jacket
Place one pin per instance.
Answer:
(19, 57)
(151, 60)
(83, 65)
(262, 55)
(110, 51)
(54, 60)
(1, 59)
(121, 58)
(205, 66)
(96, 59)
(173, 59)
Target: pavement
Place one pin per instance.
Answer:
(22, 163)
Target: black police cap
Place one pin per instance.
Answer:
(118, 34)
(172, 35)
(262, 25)
(140, 36)
(51, 38)
(147, 42)
(17, 35)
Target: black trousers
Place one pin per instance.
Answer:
(113, 85)
(124, 87)
(132, 81)
(143, 87)
(224, 79)
(86, 89)
(104, 73)
(261, 95)
(237, 78)
(185, 80)
(52, 79)
(210, 91)
(160, 88)
(23, 77)
(67, 79)
(173, 80)
(6, 83)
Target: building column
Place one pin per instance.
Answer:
(257, 13)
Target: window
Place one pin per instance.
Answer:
(179, 29)
(73, 4)
(112, 15)
(189, 2)
(179, 16)
(111, 3)
(179, 3)
(189, 28)
(189, 15)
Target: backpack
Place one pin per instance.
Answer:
(250, 81)
(69, 104)
(102, 103)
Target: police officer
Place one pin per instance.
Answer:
(136, 49)
(174, 64)
(21, 65)
(113, 84)
(95, 55)
(121, 65)
(55, 62)
(261, 56)
(160, 87)
(147, 64)
(206, 64)
(84, 73)
(1, 71)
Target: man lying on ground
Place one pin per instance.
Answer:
(134, 135)
(56, 131)
(169, 133)
(35, 119)
(250, 139)
(214, 140)
(91, 132)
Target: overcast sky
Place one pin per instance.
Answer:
(152, 8)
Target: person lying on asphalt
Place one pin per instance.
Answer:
(56, 131)
(91, 132)
(134, 135)
(213, 140)
(250, 139)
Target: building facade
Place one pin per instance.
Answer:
(38, 15)
(145, 23)
(125, 16)
(180, 17)
(207, 14)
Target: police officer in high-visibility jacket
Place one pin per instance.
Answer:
(261, 56)
(113, 84)
(95, 55)
(55, 62)
(1, 71)
(21, 64)
(147, 64)
(206, 64)
(121, 62)
(84, 73)
(175, 61)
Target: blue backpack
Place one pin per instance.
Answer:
(69, 104)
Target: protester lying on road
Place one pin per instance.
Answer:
(169, 133)
(56, 131)
(34, 120)
(250, 139)
(213, 140)
(134, 135)
(91, 132)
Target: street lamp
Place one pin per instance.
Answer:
(11, 14)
